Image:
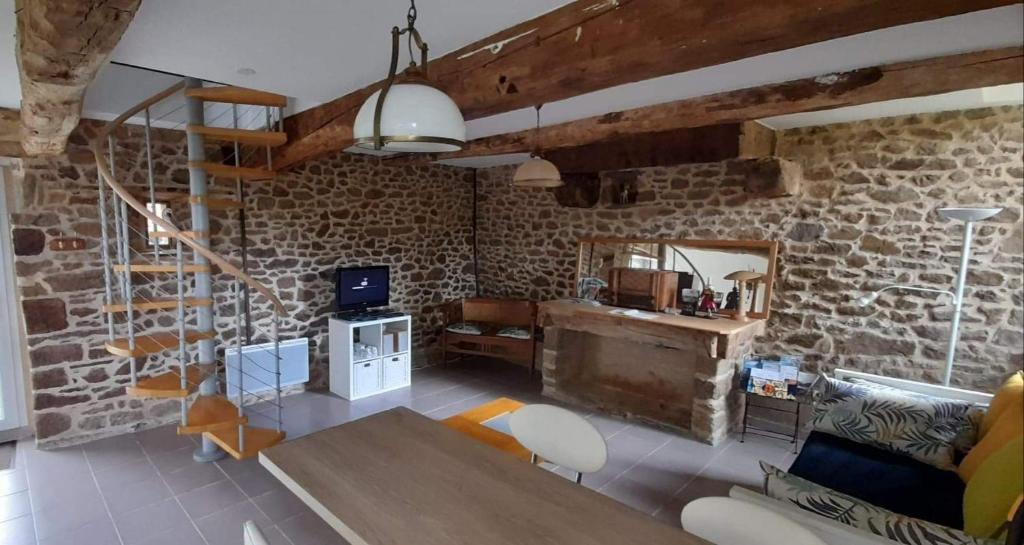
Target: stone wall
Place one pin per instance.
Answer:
(864, 218)
(340, 211)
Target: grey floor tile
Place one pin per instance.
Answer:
(274, 536)
(182, 534)
(163, 439)
(256, 481)
(19, 531)
(48, 494)
(309, 529)
(68, 516)
(642, 497)
(212, 498)
(12, 481)
(142, 524)
(280, 504)
(113, 452)
(607, 425)
(193, 476)
(98, 532)
(14, 505)
(115, 477)
(134, 495)
(225, 527)
(171, 461)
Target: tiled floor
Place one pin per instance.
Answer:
(145, 489)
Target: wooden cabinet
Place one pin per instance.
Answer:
(647, 289)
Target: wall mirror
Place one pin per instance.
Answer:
(671, 275)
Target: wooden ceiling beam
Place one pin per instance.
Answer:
(902, 80)
(588, 45)
(61, 45)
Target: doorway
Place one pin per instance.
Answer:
(12, 404)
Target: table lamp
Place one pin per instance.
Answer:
(742, 277)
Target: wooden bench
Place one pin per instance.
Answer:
(492, 315)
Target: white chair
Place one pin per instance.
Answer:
(728, 521)
(251, 534)
(561, 437)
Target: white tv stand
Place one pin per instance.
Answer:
(355, 376)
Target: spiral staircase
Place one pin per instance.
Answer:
(162, 270)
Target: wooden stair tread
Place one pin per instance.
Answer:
(231, 171)
(489, 436)
(153, 343)
(214, 203)
(491, 410)
(211, 413)
(158, 268)
(256, 439)
(237, 95)
(242, 136)
(168, 383)
(161, 303)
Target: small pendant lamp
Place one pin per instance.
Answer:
(536, 171)
(410, 116)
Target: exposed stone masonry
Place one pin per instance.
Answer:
(339, 211)
(865, 218)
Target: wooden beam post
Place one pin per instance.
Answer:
(588, 45)
(61, 44)
(902, 80)
(10, 133)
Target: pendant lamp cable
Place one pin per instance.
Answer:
(536, 133)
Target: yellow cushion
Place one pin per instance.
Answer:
(1011, 391)
(993, 489)
(1008, 427)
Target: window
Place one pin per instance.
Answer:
(160, 209)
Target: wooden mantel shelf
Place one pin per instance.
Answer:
(721, 336)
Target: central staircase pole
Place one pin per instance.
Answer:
(208, 451)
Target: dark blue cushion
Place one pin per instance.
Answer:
(891, 481)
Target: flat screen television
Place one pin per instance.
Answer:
(360, 288)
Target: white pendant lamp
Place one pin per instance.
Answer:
(537, 171)
(410, 116)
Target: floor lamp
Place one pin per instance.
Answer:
(969, 216)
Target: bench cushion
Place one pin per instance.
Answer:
(882, 478)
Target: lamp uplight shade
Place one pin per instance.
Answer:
(968, 214)
(537, 172)
(415, 118)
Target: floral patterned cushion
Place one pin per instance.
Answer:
(465, 328)
(514, 332)
(922, 427)
(850, 511)
(969, 433)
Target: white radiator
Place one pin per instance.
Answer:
(258, 364)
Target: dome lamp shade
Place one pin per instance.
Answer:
(409, 115)
(537, 172)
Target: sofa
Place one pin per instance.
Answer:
(505, 329)
(960, 493)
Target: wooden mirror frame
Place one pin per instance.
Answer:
(769, 247)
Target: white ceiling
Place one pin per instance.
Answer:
(313, 50)
(322, 49)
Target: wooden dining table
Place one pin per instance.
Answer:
(400, 478)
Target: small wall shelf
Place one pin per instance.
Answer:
(369, 357)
